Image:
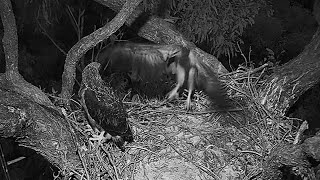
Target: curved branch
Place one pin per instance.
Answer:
(86, 43)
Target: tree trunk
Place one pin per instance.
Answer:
(39, 128)
(283, 88)
(280, 91)
(10, 46)
(26, 113)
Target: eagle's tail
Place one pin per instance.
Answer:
(213, 87)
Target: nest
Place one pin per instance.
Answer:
(203, 143)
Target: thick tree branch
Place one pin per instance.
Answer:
(12, 78)
(10, 38)
(39, 128)
(26, 113)
(160, 31)
(86, 43)
(291, 80)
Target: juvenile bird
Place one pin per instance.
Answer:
(103, 107)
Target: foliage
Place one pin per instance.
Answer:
(219, 23)
(158, 7)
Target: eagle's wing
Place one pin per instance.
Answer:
(145, 61)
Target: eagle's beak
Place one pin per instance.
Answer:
(175, 54)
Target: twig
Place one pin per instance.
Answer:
(192, 113)
(304, 126)
(60, 98)
(4, 164)
(204, 169)
(98, 154)
(111, 161)
(252, 152)
(15, 160)
(244, 73)
(84, 165)
(139, 147)
(50, 38)
(244, 57)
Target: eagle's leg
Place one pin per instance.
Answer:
(180, 76)
(191, 79)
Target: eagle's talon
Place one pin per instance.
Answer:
(188, 105)
(100, 138)
(172, 95)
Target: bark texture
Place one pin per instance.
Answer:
(26, 113)
(10, 46)
(38, 127)
(284, 87)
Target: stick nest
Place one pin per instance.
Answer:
(203, 143)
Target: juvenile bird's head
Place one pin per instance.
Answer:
(91, 77)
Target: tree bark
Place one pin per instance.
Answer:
(86, 43)
(26, 113)
(12, 77)
(283, 88)
(278, 93)
(39, 128)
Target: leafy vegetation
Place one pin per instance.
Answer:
(216, 22)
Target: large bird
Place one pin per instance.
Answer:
(144, 61)
(149, 61)
(104, 109)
